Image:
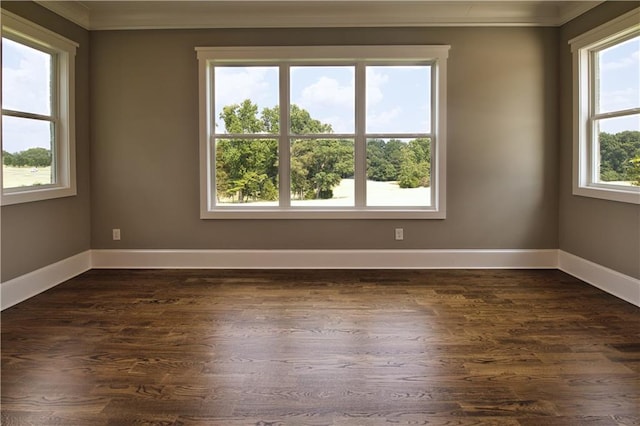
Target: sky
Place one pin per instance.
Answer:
(620, 84)
(25, 87)
(397, 97)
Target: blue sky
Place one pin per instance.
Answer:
(25, 87)
(620, 84)
(397, 97)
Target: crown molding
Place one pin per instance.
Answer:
(127, 15)
(75, 11)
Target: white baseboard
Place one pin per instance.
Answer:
(613, 282)
(28, 285)
(326, 259)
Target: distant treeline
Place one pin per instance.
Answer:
(32, 157)
(620, 156)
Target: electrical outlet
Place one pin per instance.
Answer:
(399, 234)
(116, 234)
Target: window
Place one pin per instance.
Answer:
(38, 142)
(607, 110)
(323, 132)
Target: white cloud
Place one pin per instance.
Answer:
(234, 85)
(25, 78)
(619, 99)
(330, 93)
(385, 121)
(375, 82)
(26, 74)
(625, 62)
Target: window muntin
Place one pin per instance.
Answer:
(321, 159)
(607, 111)
(38, 143)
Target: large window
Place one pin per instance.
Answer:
(607, 110)
(323, 132)
(38, 157)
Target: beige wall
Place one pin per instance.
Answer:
(504, 189)
(502, 148)
(41, 233)
(604, 232)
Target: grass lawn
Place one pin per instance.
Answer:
(379, 194)
(15, 177)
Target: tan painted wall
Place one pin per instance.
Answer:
(502, 167)
(604, 232)
(41, 233)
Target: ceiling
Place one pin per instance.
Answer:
(118, 15)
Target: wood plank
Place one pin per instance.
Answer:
(342, 347)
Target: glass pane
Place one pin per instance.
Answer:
(322, 172)
(619, 149)
(26, 78)
(399, 172)
(26, 152)
(322, 100)
(246, 100)
(247, 172)
(399, 99)
(619, 81)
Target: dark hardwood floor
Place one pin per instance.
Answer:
(461, 347)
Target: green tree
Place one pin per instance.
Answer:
(246, 169)
(616, 152)
(317, 166)
(415, 166)
(633, 172)
(32, 157)
(379, 166)
(7, 158)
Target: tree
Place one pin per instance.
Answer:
(415, 167)
(7, 158)
(379, 165)
(317, 166)
(633, 172)
(246, 169)
(616, 152)
(32, 157)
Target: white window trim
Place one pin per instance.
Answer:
(64, 49)
(583, 93)
(209, 56)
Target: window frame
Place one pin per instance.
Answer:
(289, 56)
(63, 53)
(585, 158)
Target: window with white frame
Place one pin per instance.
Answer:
(606, 67)
(38, 135)
(323, 132)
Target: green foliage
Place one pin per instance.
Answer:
(247, 169)
(32, 157)
(408, 164)
(617, 152)
(633, 172)
(317, 166)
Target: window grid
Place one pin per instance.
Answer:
(588, 116)
(212, 57)
(61, 117)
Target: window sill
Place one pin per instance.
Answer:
(40, 194)
(239, 213)
(617, 193)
